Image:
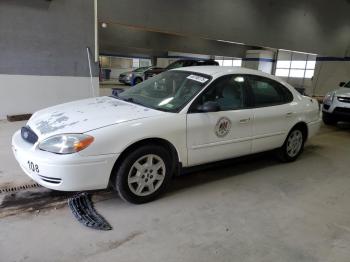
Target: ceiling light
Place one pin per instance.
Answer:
(104, 25)
(230, 42)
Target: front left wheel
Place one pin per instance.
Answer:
(144, 174)
(137, 80)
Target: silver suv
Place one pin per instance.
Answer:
(336, 105)
(136, 76)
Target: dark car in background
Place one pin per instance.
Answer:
(180, 63)
(136, 76)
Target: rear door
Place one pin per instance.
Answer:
(224, 134)
(273, 115)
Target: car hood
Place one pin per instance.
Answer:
(86, 115)
(343, 91)
(125, 73)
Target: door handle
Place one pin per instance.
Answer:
(243, 121)
(289, 114)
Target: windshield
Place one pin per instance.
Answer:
(169, 91)
(141, 69)
(347, 85)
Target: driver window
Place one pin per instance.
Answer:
(227, 92)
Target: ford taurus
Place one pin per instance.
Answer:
(184, 117)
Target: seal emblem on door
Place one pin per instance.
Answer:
(223, 127)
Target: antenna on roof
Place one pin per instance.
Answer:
(91, 81)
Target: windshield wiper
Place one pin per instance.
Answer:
(131, 100)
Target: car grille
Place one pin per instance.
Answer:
(344, 99)
(28, 135)
(341, 110)
(52, 180)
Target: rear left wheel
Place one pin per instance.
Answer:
(293, 145)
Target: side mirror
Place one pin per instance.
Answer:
(209, 106)
(341, 84)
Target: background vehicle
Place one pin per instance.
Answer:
(180, 118)
(136, 76)
(336, 105)
(180, 63)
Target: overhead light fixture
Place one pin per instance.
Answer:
(230, 42)
(286, 50)
(104, 25)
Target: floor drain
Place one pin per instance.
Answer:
(18, 188)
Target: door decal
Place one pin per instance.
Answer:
(222, 127)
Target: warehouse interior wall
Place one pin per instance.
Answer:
(314, 26)
(43, 43)
(328, 75)
(43, 54)
(118, 39)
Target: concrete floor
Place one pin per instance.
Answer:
(256, 209)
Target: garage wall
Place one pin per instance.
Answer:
(43, 53)
(329, 72)
(117, 40)
(314, 26)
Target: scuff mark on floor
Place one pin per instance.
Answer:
(113, 244)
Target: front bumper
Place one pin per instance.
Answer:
(124, 80)
(72, 172)
(337, 110)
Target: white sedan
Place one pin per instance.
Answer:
(184, 117)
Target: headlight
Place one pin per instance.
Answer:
(66, 143)
(129, 75)
(328, 99)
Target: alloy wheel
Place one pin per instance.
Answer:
(294, 143)
(146, 175)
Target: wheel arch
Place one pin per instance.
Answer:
(303, 126)
(147, 141)
(136, 77)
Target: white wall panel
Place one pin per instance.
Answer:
(21, 94)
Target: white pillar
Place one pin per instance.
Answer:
(259, 60)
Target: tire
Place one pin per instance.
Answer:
(329, 120)
(293, 146)
(137, 81)
(134, 177)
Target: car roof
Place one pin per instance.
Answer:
(223, 70)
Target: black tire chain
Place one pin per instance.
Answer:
(83, 209)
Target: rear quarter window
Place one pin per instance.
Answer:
(267, 92)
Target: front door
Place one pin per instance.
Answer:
(223, 134)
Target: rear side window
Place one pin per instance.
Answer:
(207, 62)
(267, 92)
(211, 62)
(189, 63)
